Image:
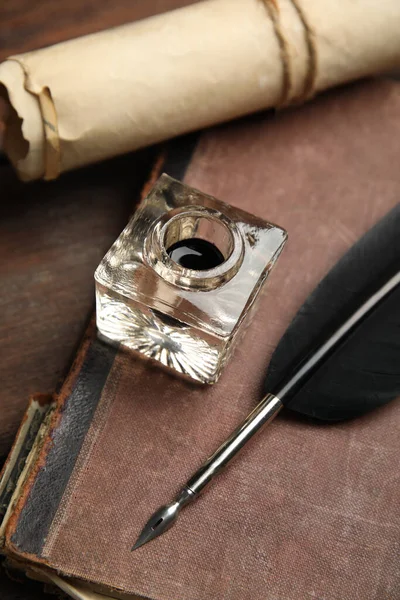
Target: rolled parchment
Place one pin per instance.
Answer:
(108, 93)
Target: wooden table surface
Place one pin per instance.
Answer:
(52, 235)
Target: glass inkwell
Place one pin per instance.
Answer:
(178, 283)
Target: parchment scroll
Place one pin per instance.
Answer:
(108, 93)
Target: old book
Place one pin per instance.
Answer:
(306, 510)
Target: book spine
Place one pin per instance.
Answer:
(24, 452)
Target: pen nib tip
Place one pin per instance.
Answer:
(137, 545)
(159, 522)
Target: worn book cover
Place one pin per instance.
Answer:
(306, 511)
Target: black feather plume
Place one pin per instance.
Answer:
(363, 371)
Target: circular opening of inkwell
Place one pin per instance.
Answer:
(198, 243)
(195, 247)
(196, 254)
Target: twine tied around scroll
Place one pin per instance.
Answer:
(309, 84)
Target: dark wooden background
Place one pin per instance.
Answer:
(52, 235)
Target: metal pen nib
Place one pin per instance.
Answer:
(166, 516)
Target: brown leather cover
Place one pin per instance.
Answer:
(307, 511)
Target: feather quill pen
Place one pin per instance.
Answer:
(339, 358)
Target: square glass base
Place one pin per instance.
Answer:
(179, 281)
